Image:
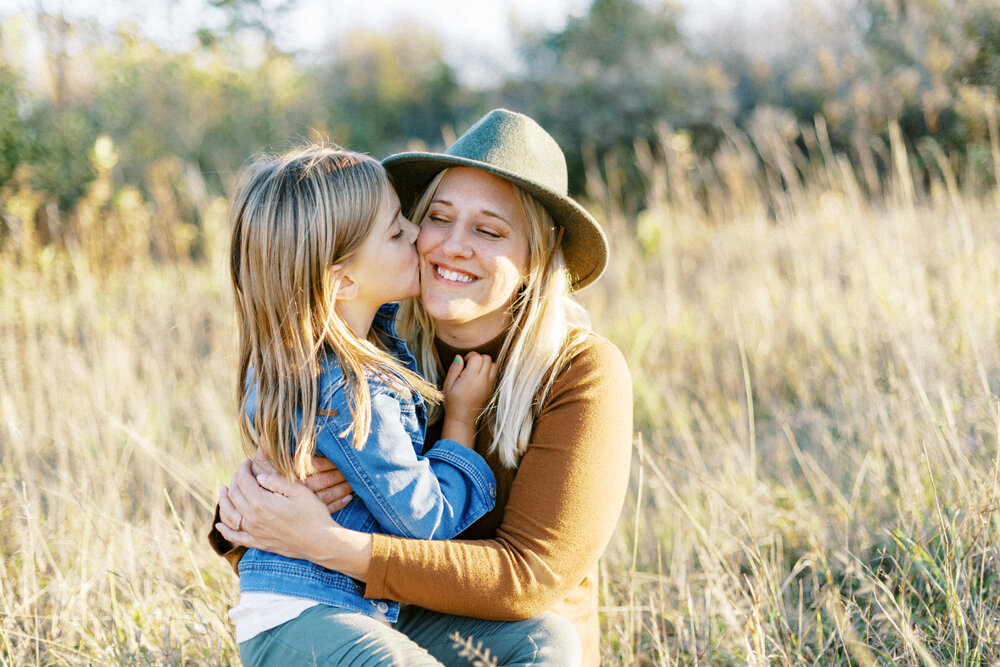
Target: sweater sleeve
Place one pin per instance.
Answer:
(222, 546)
(562, 510)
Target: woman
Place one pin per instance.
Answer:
(501, 248)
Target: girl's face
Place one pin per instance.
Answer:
(473, 248)
(386, 267)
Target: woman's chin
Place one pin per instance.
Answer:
(440, 312)
(441, 315)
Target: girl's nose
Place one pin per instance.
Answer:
(411, 230)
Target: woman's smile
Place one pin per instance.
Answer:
(452, 275)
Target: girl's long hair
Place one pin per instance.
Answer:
(547, 329)
(293, 216)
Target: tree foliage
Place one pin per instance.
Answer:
(380, 92)
(610, 76)
(607, 82)
(213, 107)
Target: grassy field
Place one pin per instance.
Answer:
(816, 358)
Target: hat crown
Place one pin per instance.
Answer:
(517, 145)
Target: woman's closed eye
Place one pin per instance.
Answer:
(490, 232)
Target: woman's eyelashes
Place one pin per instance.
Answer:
(486, 231)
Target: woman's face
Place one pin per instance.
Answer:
(473, 248)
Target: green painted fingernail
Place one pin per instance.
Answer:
(458, 359)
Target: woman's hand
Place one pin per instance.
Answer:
(272, 513)
(326, 482)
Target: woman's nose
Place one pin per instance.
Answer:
(456, 241)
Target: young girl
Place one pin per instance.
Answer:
(319, 247)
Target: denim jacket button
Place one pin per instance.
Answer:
(493, 492)
(382, 607)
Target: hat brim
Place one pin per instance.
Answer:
(585, 247)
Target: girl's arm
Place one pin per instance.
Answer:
(434, 495)
(467, 387)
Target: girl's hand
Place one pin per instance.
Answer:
(467, 387)
(326, 482)
(272, 513)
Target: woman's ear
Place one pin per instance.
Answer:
(346, 288)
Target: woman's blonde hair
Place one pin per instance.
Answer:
(547, 328)
(294, 216)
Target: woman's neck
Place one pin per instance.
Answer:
(470, 335)
(490, 347)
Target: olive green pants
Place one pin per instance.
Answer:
(324, 635)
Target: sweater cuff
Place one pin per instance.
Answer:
(224, 547)
(378, 570)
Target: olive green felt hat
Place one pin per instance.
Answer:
(516, 148)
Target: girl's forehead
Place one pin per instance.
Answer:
(389, 198)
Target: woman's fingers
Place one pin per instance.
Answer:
(245, 469)
(318, 481)
(320, 464)
(336, 497)
(240, 538)
(227, 511)
(245, 481)
(261, 464)
(278, 515)
(248, 497)
(329, 485)
(279, 484)
(239, 507)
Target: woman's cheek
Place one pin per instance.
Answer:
(425, 239)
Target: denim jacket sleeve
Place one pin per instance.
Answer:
(437, 495)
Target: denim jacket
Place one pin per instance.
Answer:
(397, 489)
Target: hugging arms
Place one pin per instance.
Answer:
(501, 248)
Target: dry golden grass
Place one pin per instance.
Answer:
(850, 516)
(816, 374)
